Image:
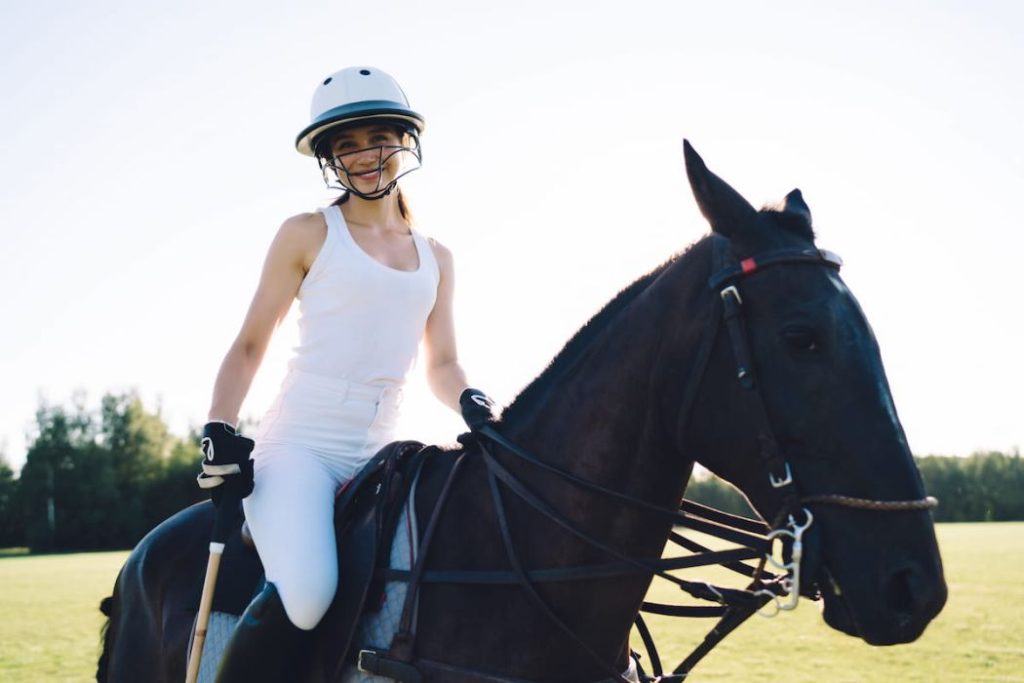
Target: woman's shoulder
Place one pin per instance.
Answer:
(442, 255)
(304, 229)
(440, 251)
(304, 225)
(302, 235)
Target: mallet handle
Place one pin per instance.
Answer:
(203, 619)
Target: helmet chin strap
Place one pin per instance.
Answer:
(376, 194)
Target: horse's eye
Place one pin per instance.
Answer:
(801, 338)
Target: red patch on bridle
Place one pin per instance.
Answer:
(748, 265)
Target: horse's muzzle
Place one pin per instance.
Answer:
(910, 599)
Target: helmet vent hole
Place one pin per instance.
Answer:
(329, 79)
(364, 72)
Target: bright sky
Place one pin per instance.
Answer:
(147, 161)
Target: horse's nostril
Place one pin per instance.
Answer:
(903, 591)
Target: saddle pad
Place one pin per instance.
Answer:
(375, 630)
(218, 633)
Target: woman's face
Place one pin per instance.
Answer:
(367, 157)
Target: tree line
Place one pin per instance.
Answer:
(100, 479)
(983, 487)
(96, 479)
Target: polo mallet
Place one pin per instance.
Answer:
(225, 522)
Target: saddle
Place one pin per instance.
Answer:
(366, 516)
(366, 513)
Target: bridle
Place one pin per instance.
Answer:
(780, 475)
(724, 282)
(754, 538)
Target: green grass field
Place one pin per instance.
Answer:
(49, 623)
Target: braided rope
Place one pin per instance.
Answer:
(927, 503)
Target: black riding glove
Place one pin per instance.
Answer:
(226, 464)
(477, 409)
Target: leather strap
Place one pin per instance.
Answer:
(530, 589)
(379, 664)
(402, 644)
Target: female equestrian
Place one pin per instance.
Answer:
(370, 289)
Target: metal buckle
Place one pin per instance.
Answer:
(380, 664)
(731, 289)
(719, 598)
(786, 479)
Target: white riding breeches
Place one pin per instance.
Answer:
(315, 437)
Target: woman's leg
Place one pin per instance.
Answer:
(291, 517)
(290, 514)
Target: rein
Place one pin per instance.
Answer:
(755, 538)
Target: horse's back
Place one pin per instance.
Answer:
(155, 599)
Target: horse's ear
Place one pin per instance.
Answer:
(726, 210)
(795, 204)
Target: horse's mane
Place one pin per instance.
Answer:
(579, 342)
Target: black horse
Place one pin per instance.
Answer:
(770, 374)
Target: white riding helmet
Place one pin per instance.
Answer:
(355, 94)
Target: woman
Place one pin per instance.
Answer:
(370, 288)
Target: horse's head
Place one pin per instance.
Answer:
(827, 412)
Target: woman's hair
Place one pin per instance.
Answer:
(403, 205)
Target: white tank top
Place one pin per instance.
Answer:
(360, 320)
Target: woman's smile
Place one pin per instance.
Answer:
(372, 174)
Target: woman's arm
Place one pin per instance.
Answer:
(444, 374)
(288, 259)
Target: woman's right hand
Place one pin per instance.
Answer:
(477, 409)
(227, 468)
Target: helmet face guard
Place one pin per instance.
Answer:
(338, 173)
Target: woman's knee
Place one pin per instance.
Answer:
(306, 602)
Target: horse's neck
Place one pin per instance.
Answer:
(611, 418)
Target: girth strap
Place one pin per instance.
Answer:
(378, 663)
